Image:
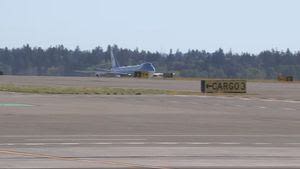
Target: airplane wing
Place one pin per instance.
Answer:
(111, 74)
(104, 72)
(93, 71)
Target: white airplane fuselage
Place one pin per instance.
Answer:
(118, 71)
(144, 67)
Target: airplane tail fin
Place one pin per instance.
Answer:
(114, 62)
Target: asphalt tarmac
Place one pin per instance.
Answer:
(157, 131)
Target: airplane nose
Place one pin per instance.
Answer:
(148, 67)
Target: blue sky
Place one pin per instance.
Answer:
(155, 25)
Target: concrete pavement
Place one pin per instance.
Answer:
(89, 131)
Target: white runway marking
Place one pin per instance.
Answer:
(244, 98)
(193, 96)
(274, 100)
(34, 144)
(84, 139)
(7, 144)
(262, 143)
(268, 100)
(69, 143)
(199, 143)
(287, 108)
(166, 143)
(229, 143)
(292, 143)
(103, 143)
(291, 101)
(145, 143)
(131, 143)
(152, 135)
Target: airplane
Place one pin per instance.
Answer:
(118, 71)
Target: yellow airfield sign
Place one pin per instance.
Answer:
(223, 86)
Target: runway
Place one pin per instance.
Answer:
(155, 131)
(267, 89)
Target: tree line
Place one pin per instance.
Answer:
(60, 61)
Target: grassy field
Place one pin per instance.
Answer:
(90, 90)
(248, 80)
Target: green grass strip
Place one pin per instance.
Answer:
(91, 90)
